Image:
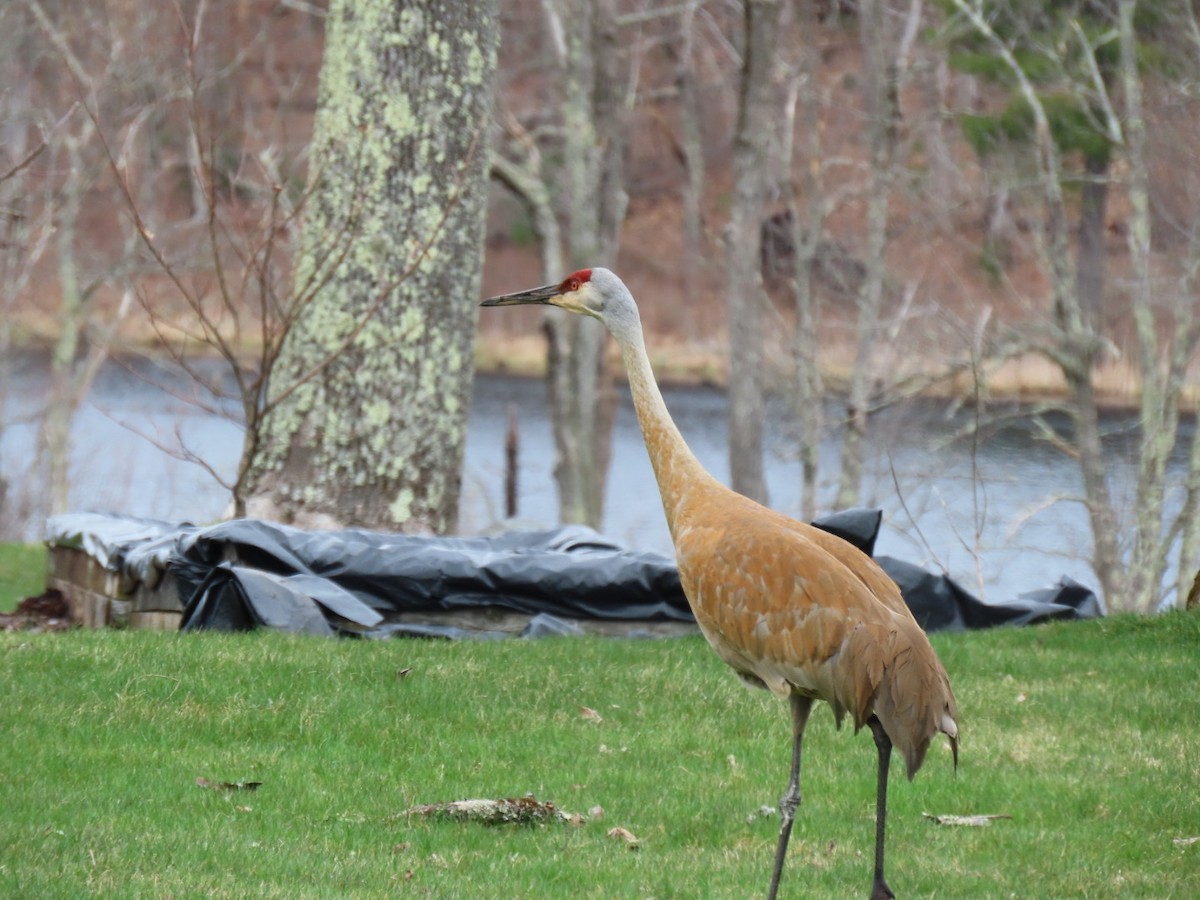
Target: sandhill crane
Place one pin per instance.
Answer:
(791, 608)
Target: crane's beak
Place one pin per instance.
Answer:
(543, 294)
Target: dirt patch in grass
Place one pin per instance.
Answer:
(46, 612)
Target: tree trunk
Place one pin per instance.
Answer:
(1090, 250)
(582, 399)
(60, 401)
(1187, 574)
(806, 237)
(83, 340)
(1188, 337)
(1074, 344)
(374, 436)
(757, 109)
(1106, 551)
(943, 175)
(691, 142)
(882, 115)
(1164, 363)
(582, 405)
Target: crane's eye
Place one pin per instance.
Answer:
(573, 285)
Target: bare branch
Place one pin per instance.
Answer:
(653, 13)
(24, 163)
(59, 42)
(912, 27)
(1112, 125)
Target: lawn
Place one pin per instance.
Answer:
(1084, 733)
(22, 573)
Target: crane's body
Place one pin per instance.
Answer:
(790, 608)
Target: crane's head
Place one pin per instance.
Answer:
(590, 292)
(575, 293)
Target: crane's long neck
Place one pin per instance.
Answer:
(676, 468)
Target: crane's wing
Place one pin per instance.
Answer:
(794, 609)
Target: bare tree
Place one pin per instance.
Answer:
(25, 233)
(1175, 203)
(880, 318)
(807, 203)
(594, 113)
(229, 259)
(745, 299)
(231, 284)
(97, 66)
(1167, 326)
(880, 94)
(208, 186)
(575, 194)
(691, 152)
(1130, 558)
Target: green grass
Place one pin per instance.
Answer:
(22, 573)
(1084, 733)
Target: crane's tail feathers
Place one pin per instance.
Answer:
(950, 729)
(839, 713)
(914, 701)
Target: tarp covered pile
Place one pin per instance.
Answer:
(247, 573)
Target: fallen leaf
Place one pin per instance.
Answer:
(627, 836)
(228, 785)
(596, 813)
(503, 811)
(1022, 697)
(404, 672)
(1185, 842)
(976, 821)
(586, 712)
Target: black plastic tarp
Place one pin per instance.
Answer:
(359, 577)
(939, 603)
(248, 573)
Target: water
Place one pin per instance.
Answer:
(1002, 516)
(946, 505)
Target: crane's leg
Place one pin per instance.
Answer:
(880, 889)
(788, 803)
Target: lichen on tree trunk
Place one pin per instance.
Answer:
(377, 370)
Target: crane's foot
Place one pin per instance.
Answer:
(801, 706)
(785, 832)
(788, 804)
(880, 891)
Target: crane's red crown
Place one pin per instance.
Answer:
(575, 281)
